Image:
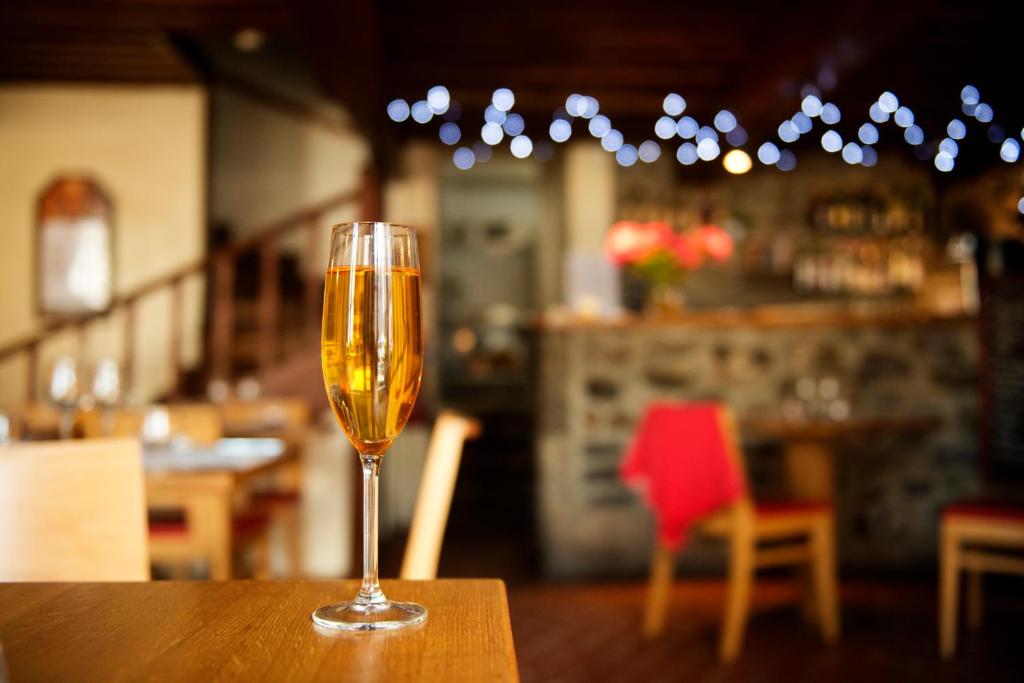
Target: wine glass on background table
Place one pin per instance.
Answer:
(372, 355)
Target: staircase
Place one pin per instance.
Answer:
(262, 315)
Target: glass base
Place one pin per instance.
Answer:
(378, 616)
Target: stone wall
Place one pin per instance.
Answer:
(595, 382)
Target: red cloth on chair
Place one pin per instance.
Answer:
(678, 458)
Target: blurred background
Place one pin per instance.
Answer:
(812, 213)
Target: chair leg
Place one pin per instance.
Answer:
(823, 568)
(974, 599)
(949, 563)
(737, 606)
(805, 589)
(658, 586)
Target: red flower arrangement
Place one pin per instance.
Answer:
(658, 254)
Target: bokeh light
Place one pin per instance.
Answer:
(811, 105)
(736, 161)
(398, 110)
(438, 99)
(995, 133)
(612, 141)
(983, 113)
(956, 129)
(970, 95)
(687, 127)
(830, 113)
(788, 132)
(599, 126)
(665, 127)
(503, 99)
(543, 150)
(421, 112)
(1009, 151)
(514, 124)
(737, 136)
(560, 130)
(626, 155)
(494, 115)
(768, 153)
(706, 133)
(482, 151)
(491, 133)
(725, 121)
(802, 122)
(687, 153)
(944, 162)
(707, 149)
(674, 104)
(590, 107)
(575, 104)
(888, 102)
(649, 151)
(1020, 205)
(867, 134)
(949, 146)
(463, 158)
(914, 135)
(877, 114)
(831, 141)
(787, 161)
(869, 156)
(450, 133)
(903, 117)
(521, 146)
(852, 153)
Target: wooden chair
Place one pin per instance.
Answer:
(73, 511)
(426, 533)
(281, 499)
(798, 533)
(199, 422)
(977, 537)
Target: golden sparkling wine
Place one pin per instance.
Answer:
(372, 351)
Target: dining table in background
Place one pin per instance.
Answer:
(809, 445)
(207, 483)
(248, 631)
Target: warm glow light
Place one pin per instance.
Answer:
(737, 161)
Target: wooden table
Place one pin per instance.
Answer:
(248, 630)
(810, 445)
(206, 488)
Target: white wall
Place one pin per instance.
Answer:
(267, 164)
(145, 145)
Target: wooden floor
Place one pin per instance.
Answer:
(590, 632)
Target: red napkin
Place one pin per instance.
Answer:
(679, 460)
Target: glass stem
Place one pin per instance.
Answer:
(370, 593)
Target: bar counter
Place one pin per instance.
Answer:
(596, 377)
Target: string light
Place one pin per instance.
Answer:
(500, 121)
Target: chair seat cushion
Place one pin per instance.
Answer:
(176, 526)
(986, 509)
(775, 508)
(277, 497)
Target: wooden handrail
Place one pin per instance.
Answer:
(215, 260)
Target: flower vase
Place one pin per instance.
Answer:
(665, 300)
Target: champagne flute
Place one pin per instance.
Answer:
(372, 356)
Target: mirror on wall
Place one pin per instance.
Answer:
(74, 261)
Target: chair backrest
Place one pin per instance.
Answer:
(423, 549)
(200, 422)
(73, 511)
(279, 416)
